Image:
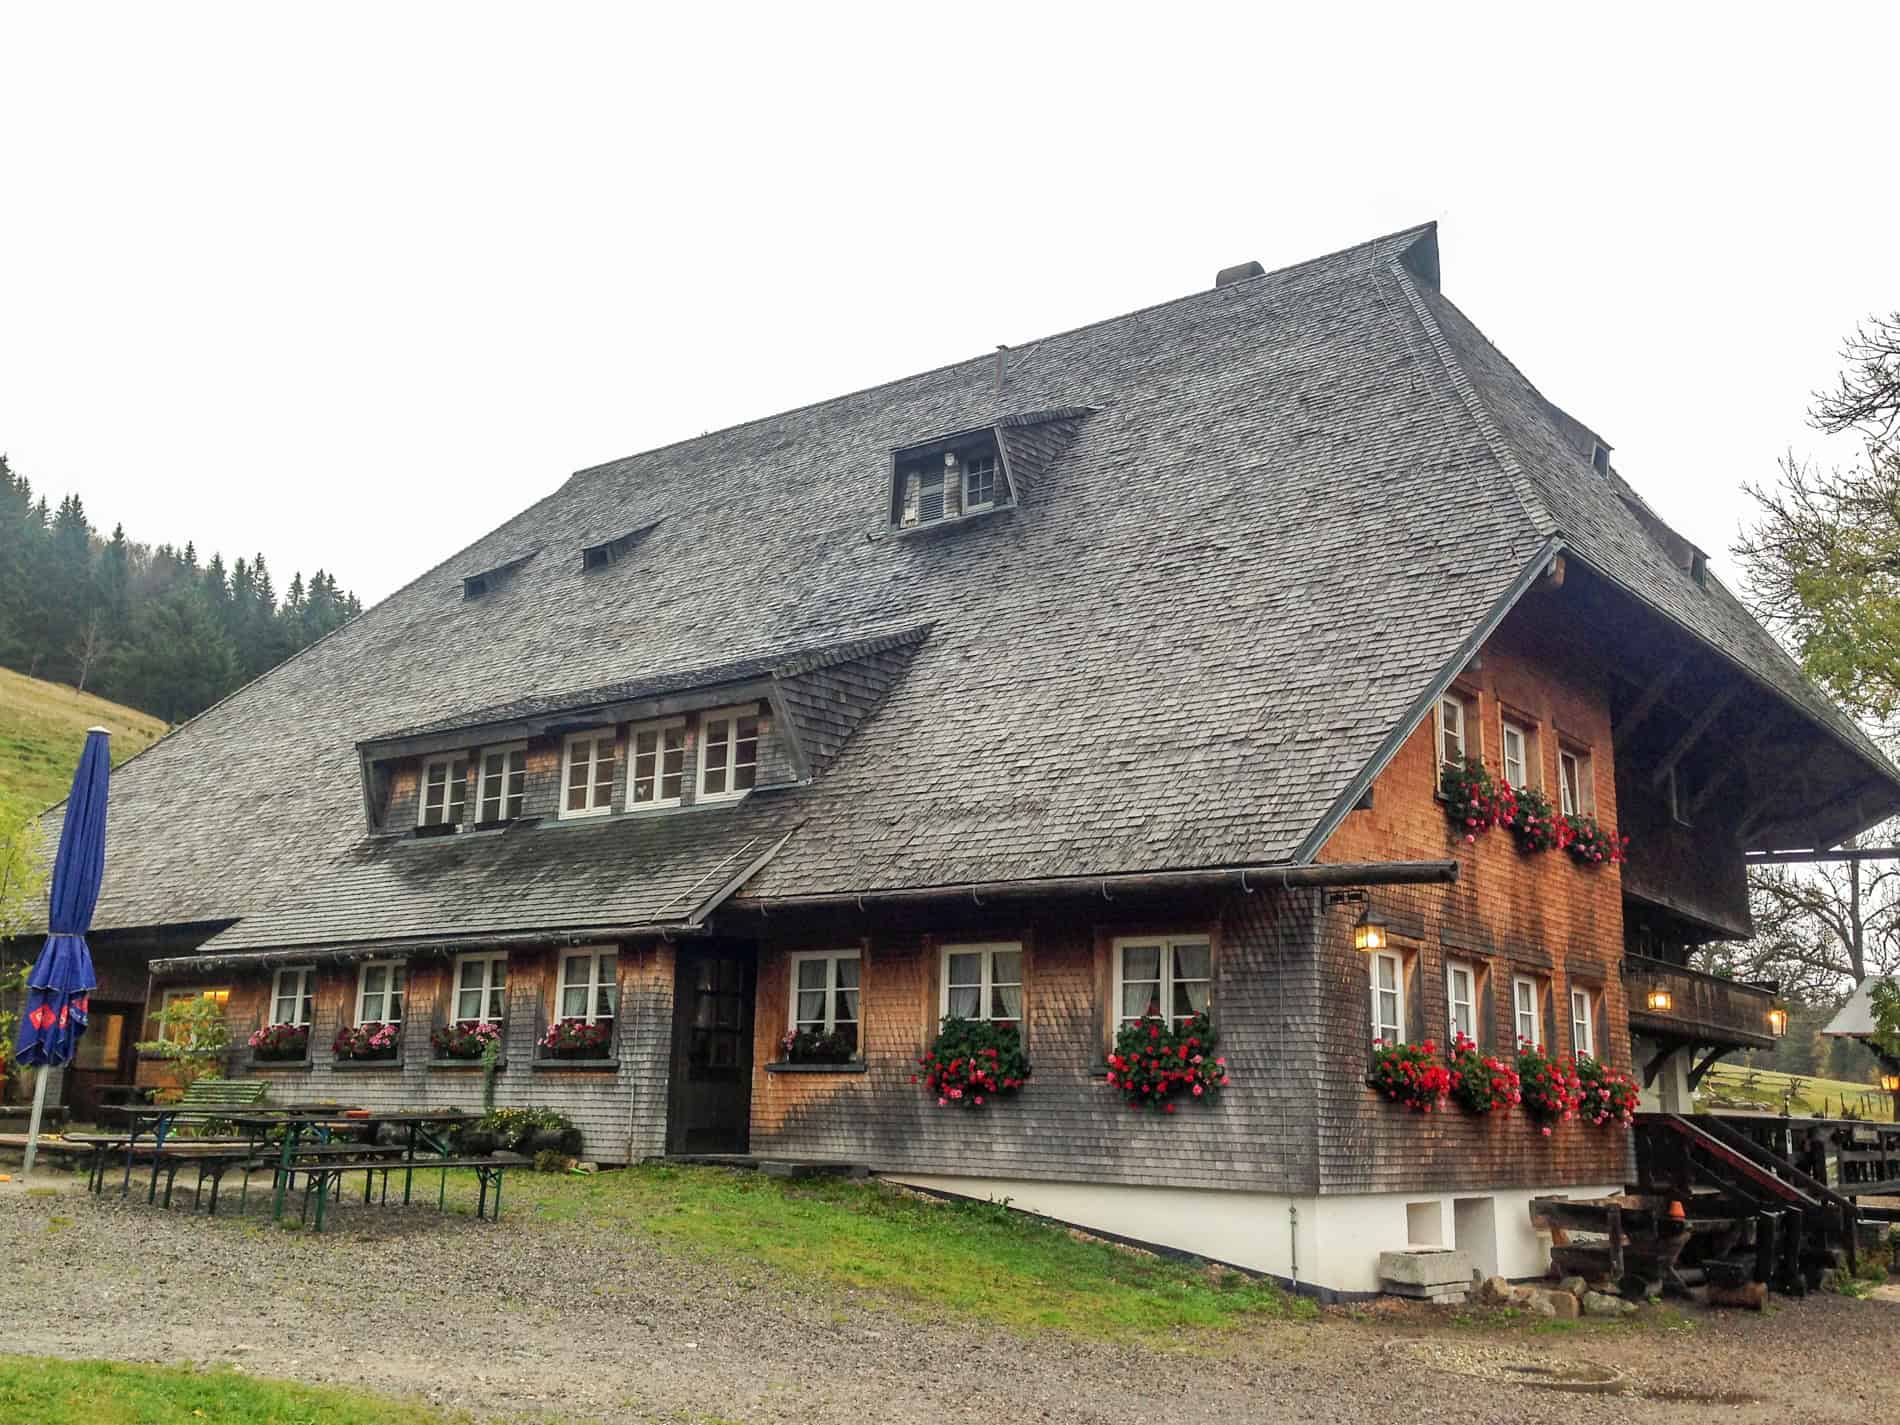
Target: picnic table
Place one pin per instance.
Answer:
(160, 1119)
(326, 1161)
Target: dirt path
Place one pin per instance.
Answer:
(531, 1318)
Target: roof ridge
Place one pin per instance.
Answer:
(1535, 510)
(1430, 225)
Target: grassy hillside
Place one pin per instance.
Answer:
(1737, 1086)
(42, 729)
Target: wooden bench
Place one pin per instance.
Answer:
(324, 1176)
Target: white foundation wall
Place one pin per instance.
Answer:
(1328, 1242)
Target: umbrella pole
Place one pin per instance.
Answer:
(33, 1124)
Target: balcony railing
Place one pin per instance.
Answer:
(1705, 1008)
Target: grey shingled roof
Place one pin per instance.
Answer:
(1167, 657)
(631, 870)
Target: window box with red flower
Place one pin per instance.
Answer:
(1608, 1096)
(1157, 1061)
(973, 1063)
(1471, 797)
(578, 1039)
(372, 1043)
(1549, 1086)
(466, 1040)
(1409, 1074)
(1591, 843)
(280, 1044)
(1481, 1083)
(1534, 823)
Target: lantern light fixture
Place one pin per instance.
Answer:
(1778, 1021)
(1890, 1082)
(1659, 999)
(1370, 933)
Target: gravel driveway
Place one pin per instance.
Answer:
(536, 1318)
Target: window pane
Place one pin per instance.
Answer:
(745, 754)
(1388, 972)
(811, 1008)
(1191, 962)
(574, 1002)
(811, 974)
(1006, 967)
(1141, 962)
(847, 1005)
(966, 1002)
(1140, 998)
(1006, 1002)
(848, 971)
(608, 993)
(965, 970)
(1190, 998)
(468, 1004)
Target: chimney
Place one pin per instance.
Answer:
(1239, 272)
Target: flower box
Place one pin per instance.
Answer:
(1550, 1087)
(1481, 1083)
(973, 1062)
(1409, 1074)
(367, 1043)
(1157, 1061)
(577, 1039)
(803, 1046)
(463, 1041)
(1592, 844)
(1608, 1096)
(280, 1044)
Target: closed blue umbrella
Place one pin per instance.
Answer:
(61, 982)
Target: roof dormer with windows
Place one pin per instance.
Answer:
(956, 478)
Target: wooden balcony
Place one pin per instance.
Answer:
(1703, 1009)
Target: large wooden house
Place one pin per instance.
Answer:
(1109, 674)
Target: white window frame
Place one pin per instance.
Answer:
(508, 751)
(1469, 1001)
(831, 1021)
(1391, 1033)
(1583, 800)
(395, 986)
(448, 759)
(1461, 707)
(594, 983)
(1583, 1029)
(659, 729)
(1519, 984)
(303, 996)
(733, 714)
(1527, 769)
(593, 737)
(1165, 990)
(491, 987)
(989, 950)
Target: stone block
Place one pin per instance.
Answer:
(1576, 1286)
(1562, 1305)
(1597, 1303)
(1426, 1266)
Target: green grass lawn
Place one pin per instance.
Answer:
(1769, 1089)
(42, 729)
(976, 1260)
(39, 1391)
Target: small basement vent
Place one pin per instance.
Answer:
(611, 551)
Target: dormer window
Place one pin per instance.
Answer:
(611, 551)
(728, 753)
(948, 479)
(1600, 458)
(589, 779)
(504, 782)
(444, 790)
(659, 763)
(475, 586)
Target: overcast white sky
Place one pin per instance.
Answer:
(351, 284)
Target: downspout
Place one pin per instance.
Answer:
(1293, 1241)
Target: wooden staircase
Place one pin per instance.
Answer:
(1753, 1221)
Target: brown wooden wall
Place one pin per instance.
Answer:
(1541, 914)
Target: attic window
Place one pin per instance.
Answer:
(1600, 458)
(948, 479)
(612, 551)
(474, 586)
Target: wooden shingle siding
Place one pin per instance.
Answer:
(1067, 1123)
(829, 703)
(621, 1112)
(1540, 914)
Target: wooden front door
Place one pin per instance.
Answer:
(105, 1060)
(711, 1100)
